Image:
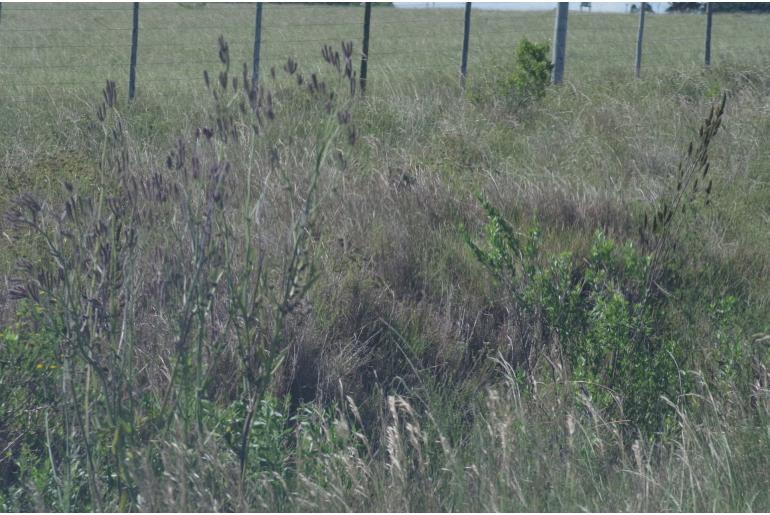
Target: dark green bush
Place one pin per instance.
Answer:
(531, 72)
(604, 318)
(590, 313)
(520, 82)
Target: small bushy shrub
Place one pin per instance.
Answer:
(603, 316)
(521, 82)
(531, 72)
(588, 314)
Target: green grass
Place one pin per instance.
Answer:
(46, 49)
(288, 321)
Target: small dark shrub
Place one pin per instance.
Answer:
(531, 72)
(587, 317)
(521, 82)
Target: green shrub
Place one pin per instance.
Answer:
(520, 82)
(590, 312)
(268, 437)
(531, 72)
(604, 316)
(29, 379)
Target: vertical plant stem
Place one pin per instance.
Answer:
(56, 479)
(82, 420)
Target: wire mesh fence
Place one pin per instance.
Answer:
(55, 49)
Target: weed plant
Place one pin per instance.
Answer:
(520, 83)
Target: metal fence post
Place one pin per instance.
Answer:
(639, 39)
(257, 44)
(560, 42)
(365, 51)
(134, 44)
(707, 58)
(466, 37)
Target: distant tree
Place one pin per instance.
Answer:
(720, 7)
(647, 8)
(740, 7)
(686, 7)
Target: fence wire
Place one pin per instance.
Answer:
(55, 48)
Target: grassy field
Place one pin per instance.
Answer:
(221, 297)
(48, 49)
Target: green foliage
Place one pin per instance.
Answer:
(30, 372)
(517, 83)
(531, 72)
(598, 314)
(592, 314)
(730, 359)
(268, 438)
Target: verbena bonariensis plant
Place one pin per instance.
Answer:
(158, 280)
